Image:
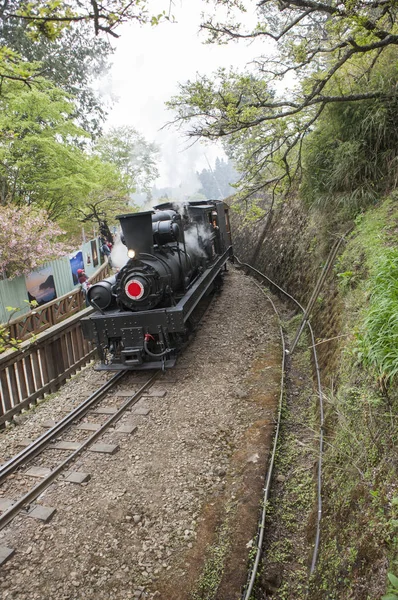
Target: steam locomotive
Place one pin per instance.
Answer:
(176, 255)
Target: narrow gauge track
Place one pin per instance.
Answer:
(43, 442)
(252, 576)
(10, 507)
(71, 552)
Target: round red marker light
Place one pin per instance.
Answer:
(134, 289)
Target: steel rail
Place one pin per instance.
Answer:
(38, 444)
(9, 515)
(320, 397)
(261, 527)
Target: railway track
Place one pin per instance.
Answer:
(103, 413)
(254, 567)
(157, 471)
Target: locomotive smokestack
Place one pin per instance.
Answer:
(137, 231)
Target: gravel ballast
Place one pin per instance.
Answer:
(187, 480)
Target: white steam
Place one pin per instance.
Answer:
(192, 236)
(119, 253)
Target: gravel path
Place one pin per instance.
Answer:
(141, 527)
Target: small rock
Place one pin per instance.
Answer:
(253, 458)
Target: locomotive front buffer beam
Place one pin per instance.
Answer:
(127, 330)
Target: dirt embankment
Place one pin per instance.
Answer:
(291, 248)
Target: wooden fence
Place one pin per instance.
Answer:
(54, 353)
(54, 312)
(41, 366)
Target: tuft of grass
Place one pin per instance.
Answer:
(210, 579)
(378, 341)
(370, 264)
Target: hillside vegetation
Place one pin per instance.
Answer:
(356, 323)
(349, 171)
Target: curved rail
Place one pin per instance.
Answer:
(260, 533)
(250, 585)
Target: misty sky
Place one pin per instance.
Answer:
(148, 64)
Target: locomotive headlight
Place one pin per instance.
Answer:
(131, 253)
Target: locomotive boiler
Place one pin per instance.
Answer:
(176, 255)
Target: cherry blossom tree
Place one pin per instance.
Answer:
(27, 239)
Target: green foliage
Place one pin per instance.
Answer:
(49, 19)
(128, 150)
(250, 212)
(107, 195)
(360, 511)
(370, 263)
(392, 592)
(40, 155)
(72, 62)
(351, 157)
(228, 107)
(43, 163)
(378, 339)
(346, 278)
(6, 341)
(344, 63)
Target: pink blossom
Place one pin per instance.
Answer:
(27, 239)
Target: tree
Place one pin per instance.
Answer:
(216, 183)
(43, 163)
(27, 240)
(332, 49)
(41, 160)
(72, 62)
(52, 19)
(132, 154)
(48, 19)
(108, 196)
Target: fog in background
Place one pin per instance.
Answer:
(147, 65)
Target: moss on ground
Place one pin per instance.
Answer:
(289, 534)
(209, 581)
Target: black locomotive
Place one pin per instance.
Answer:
(176, 257)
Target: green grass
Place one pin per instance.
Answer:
(359, 525)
